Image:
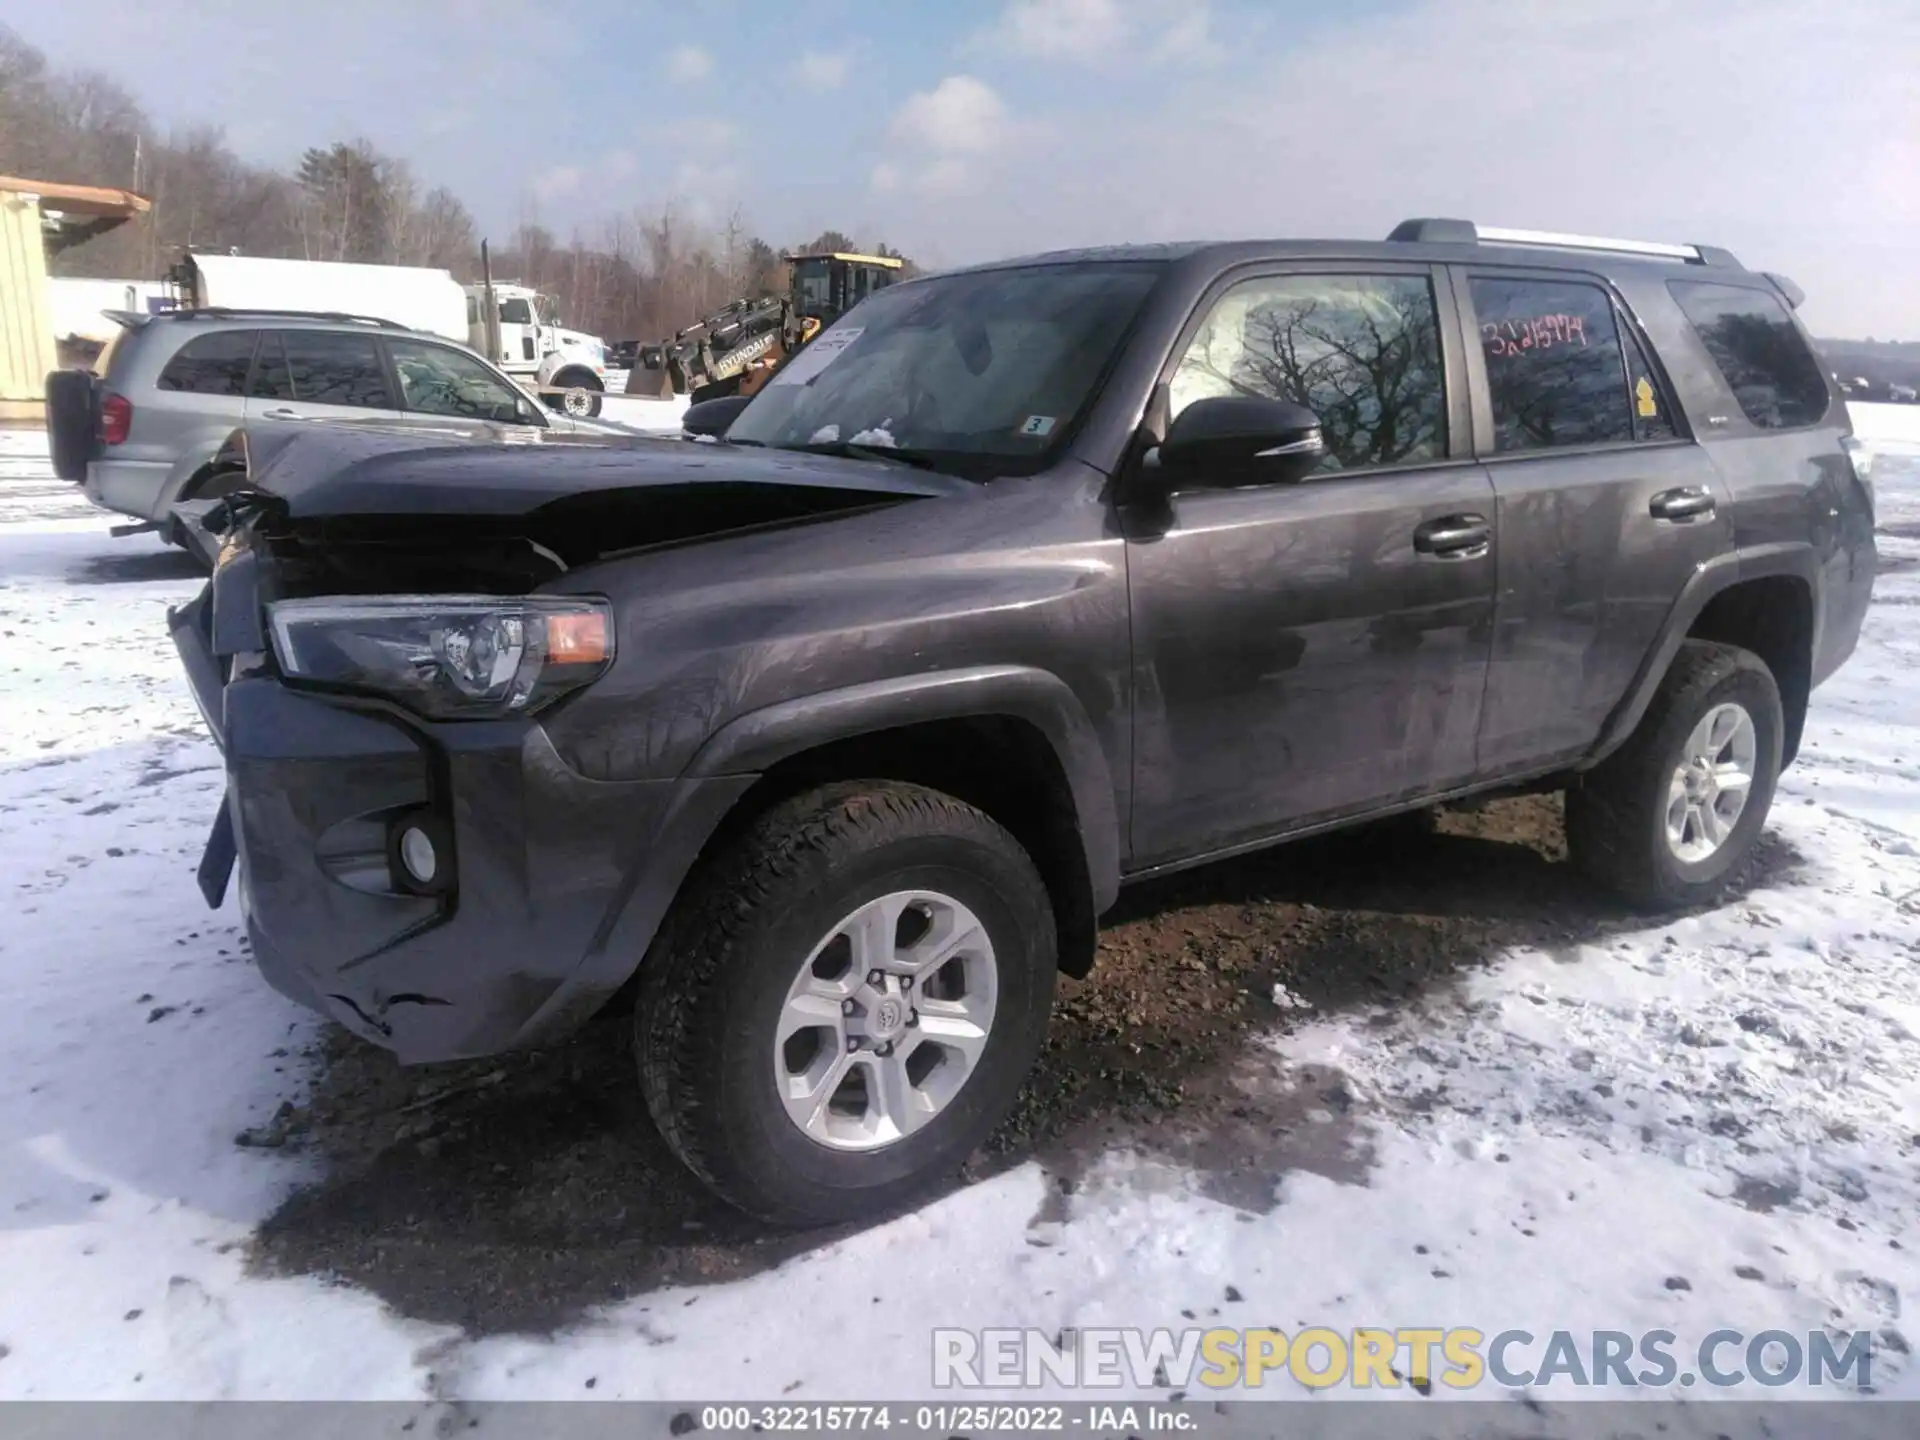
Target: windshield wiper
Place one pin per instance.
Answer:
(848, 450)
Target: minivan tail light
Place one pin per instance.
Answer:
(116, 419)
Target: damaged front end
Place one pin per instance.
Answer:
(375, 654)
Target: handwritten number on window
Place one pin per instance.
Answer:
(1538, 332)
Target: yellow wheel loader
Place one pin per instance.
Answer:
(734, 350)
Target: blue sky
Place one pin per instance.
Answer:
(962, 130)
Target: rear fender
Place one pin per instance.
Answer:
(1794, 559)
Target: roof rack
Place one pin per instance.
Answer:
(1465, 232)
(248, 312)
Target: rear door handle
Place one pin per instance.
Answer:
(280, 415)
(1454, 537)
(1681, 505)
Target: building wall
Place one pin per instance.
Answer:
(26, 332)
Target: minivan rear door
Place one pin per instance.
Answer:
(320, 375)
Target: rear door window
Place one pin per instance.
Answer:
(328, 368)
(1555, 370)
(214, 364)
(1759, 351)
(271, 378)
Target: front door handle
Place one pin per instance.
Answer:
(1454, 537)
(1682, 505)
(282, 414)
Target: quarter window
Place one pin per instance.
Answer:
(1652, 415)
(211, 364)
(1361, 351)
(1753, 340)
(1555, 370)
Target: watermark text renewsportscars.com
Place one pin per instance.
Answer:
(1383, 1358)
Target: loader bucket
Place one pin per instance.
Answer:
(654, 384)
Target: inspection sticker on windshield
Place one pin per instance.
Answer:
(817, 354)
(1038, 426)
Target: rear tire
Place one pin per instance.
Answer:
(1656, 821)
(71, 437)
(579, 398)
(758, 1106)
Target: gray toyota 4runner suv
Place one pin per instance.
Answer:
(836, 737)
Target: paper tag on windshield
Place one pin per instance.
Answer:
(817, 354)
(1038, 426)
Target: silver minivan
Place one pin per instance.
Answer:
(142, 431)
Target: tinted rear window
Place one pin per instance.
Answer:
(1753, 340)
(1555, 371)
(211, 364)
(334, 369)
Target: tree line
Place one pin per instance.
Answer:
(639, 275)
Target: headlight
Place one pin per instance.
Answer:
(446, 656)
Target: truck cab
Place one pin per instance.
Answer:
(567, 367)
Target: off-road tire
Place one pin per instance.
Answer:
(1616, 827)
(717, 974)
(71, 439)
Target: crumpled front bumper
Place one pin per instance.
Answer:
(559, 881)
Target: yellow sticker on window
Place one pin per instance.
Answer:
(1643, 398)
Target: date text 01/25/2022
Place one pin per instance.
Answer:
(943, 1419)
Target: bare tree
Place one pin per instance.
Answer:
(645, 275)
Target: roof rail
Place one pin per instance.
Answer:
(1465, 232)
(249, 312)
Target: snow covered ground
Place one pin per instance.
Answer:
(1714, 1122)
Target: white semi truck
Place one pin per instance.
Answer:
(566, 368)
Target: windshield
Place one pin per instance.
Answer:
(981, 373)
(815, 284)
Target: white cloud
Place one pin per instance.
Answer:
(704, 134)
(559, 182)
(941, 140)
(1065, 29)
(959, 116)
(687, 64)
(819, 71)
(1788, 135)
(1105, 33)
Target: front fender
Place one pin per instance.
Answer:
(751, 743)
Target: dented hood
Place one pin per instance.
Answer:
(344, 471)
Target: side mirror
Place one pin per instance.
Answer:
(1233, 440)
(712, 417)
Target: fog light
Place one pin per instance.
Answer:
(418, 855)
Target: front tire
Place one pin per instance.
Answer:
(1671, 815)
(845, 1001)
